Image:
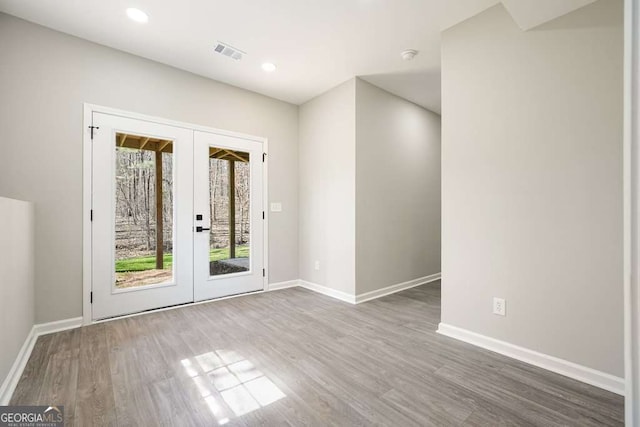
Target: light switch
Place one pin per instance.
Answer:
(276, 207)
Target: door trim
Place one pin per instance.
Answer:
(631, 178)
(87, 181)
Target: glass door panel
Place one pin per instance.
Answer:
(229, 208)
(143, 211)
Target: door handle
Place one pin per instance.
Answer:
(200, 229)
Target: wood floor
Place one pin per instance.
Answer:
(294, 357)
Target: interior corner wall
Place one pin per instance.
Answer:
(397, 190)
(327, 183)
(46, 76)
(532, 182)
(16, 280)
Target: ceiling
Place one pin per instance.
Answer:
(315, 44)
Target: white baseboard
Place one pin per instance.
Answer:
(11, 381)
(282, 285)
(378, 293)
(57, 326)
(560, 366)
(324, 290)
(368, 296)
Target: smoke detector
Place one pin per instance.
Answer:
(408, 54)
(230, 51)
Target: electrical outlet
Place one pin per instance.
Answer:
(316, 265)
(499, 306)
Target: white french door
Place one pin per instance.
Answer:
(177, 215)
(240, 269)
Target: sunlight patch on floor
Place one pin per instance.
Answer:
(230, 384)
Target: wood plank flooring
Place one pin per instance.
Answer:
(294, 357)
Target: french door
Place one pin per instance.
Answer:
(177, 215)
(225, 212)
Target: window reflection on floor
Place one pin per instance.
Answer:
(230, 385)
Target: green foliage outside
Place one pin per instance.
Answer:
(145, 263)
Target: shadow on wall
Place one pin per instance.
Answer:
(404, 84)
(581, 18)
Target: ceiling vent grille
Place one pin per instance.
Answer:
(230, 51)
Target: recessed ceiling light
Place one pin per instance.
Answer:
(137, 15)
(268, 67)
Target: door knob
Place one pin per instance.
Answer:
(201, 229)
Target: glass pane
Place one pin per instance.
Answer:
(229, 209)
(144, 222)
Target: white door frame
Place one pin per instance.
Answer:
(631, 211)
(87, 154)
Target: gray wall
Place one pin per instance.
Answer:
(328, 188)
(532, 182)
(369, 189)
(45, 78)
(16, 279)
(397, 190)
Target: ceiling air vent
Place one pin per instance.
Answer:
(230, 51)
